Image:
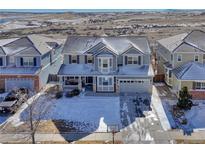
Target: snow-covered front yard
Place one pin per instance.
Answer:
(195, 117)
(86, 114)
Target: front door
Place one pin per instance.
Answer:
(105, 84)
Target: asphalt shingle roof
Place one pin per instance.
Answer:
(119, 44)
(187, 42)
(190, 71)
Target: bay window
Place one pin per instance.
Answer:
(105, 64)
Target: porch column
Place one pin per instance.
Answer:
(61, 83)
(116, 84)
(79, 83)
(94, 84)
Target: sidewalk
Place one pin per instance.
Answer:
(59, 138)
(157, 104)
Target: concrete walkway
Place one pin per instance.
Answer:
(59, 138)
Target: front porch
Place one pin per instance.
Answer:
(77, 82)
(99, 84)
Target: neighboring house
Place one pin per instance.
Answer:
(28, 61)
(107, 64)
(181, 59)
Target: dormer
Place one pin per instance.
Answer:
(132, 56)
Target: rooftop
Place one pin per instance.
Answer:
(19, 70)
(87, 69)
(140, 71)
(38, 42)
(186, 42)
(190, 71)
(119, 44)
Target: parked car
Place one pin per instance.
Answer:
(13, 100)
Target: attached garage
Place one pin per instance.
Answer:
(134, 85)
(14, 83)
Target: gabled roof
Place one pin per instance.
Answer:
(118, 44)
(172, 42)
(196, 38)
(2, 51)
(190, 71)
(185, 47)
(186, 41)
(36, 42)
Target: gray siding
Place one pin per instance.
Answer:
(164, 53)
(55, 53)
(50, 69)
(66, 59)
(46, 59)
(146, 59)
(120, 60)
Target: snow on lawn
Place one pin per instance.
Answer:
(3, 118)
(86, 113)
(196, 116)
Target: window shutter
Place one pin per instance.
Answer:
(21, 61)
(78, 59)
(69, 59)
(85, 59)
(34, 61)
(139, 60)
(125, 60)
(1, 61)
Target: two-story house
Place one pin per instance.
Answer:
(27, 62)
(181, 60)
(107, 64)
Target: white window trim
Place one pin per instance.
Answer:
(195, 57)
(29, 62)
(89, 59)
(132, 61)
(201, 87)
(100, 65)
(72, 58)
(179, 55)
(105, 87)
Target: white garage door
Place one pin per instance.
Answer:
(133, 86)
(19, 83)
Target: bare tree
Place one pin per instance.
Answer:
(38, 107)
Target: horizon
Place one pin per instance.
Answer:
(93, 10)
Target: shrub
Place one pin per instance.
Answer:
(72, 93)
(69, 94)
(2, 91)
(184, 100)
(59, 94)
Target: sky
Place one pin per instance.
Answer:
(102, 4)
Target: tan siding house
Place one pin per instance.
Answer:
(183, 65)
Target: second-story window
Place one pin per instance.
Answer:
(132, 60)
(74, 59)
(196, 58)
(179, 58)
(89, 59)
(28, 61)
